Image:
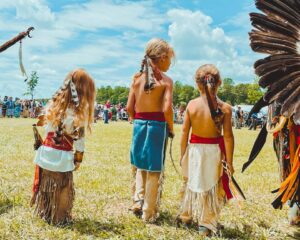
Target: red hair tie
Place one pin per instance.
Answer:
(206, 78)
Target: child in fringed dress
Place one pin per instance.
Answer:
(67, 116)
(207, 185)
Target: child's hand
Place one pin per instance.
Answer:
(171, 134)
(77, 165)
(230, 168)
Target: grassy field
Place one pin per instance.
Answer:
(103, 191)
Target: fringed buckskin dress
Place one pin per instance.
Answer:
(55, 192)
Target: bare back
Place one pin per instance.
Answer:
(200, 118)
(199, 121)
(153, 101)
(158, 100)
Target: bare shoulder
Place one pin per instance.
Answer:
(167, 79)
(192, 103)
(135, 79)
(226, 108)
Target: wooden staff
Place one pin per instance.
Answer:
(16, 39)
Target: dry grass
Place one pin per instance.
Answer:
(103, 191)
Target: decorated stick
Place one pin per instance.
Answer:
(16, 39)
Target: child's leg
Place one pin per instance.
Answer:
(140, 184)
(183, 187)
(139, 190)
(151, 196)
(184, 216)
(294, 215)
(133, 174)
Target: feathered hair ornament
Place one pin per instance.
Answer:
(68, 83)
(151, 74)
(75, 99)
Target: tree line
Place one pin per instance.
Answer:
(242, 93)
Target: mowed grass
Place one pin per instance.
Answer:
(103, 191)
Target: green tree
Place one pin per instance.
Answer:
(116, 95)
(186, 93)
(177, 86)
(226, 91)
(241, 93)
(254, 93)
(31, 84)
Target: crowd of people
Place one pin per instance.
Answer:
(117, 112)
(16, 108)
(241, 119)
(108, 111)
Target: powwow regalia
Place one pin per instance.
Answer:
(60, 152)
(209, 182)
(277, 33)
(150, 105)
(147, 154)
(207, 187)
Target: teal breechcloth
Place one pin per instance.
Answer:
(148, 145)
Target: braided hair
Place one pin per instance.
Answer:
(208, 79)
(155, 49)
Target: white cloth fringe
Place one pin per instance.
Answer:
(204, 207)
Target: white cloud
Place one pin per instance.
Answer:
(197, 42)
(107, 14)
(36, 10)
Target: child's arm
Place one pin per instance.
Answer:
(168, 108)
(185, 133)
(79, 151)
(229, 139)
(131, 101)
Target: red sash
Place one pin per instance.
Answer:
(155, 116)
(65, 145)
(220, 141)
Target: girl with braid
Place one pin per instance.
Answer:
(211, 143)
(150, 105)
(67, 115)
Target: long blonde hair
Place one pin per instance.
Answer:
(62, 100)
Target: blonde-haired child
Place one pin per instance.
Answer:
(150, 105)
(211, 141)
(67, 115)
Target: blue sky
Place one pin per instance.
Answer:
(108, 37)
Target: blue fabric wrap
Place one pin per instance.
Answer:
(148, 145)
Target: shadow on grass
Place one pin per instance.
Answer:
(235, 233)
(296, 234)
(5, 205)
(97, 229)
(166, 218)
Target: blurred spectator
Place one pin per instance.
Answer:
(4, 106)
(17, 111)
(238, 118)
(10, 107)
